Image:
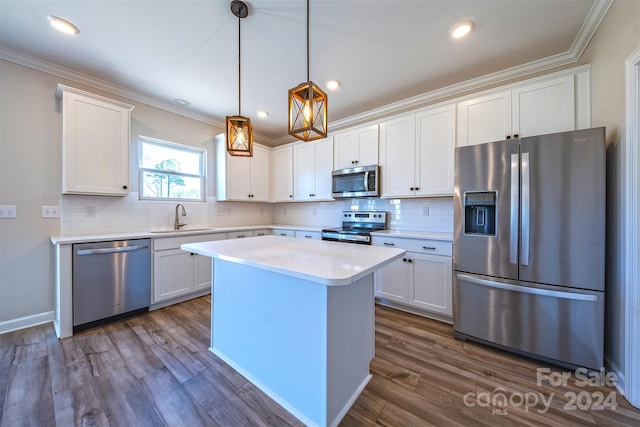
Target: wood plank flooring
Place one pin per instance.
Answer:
(156, 370)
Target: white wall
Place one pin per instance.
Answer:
(617, 37)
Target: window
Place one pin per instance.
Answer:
(170, 171)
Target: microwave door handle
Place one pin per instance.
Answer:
(366, 181)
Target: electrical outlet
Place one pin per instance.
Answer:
(89, 211)
(425, 211)
(51, 212)
(8, 211)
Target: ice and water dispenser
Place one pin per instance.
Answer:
(480, 213)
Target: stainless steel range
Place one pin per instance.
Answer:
(357, 227)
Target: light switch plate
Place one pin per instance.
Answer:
(51, 212)
(8, 211)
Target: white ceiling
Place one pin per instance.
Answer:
(382, 51)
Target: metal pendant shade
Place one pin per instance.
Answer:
(307, 106)
(239, 128)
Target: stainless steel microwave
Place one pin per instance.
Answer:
(355, 182)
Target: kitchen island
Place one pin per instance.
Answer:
(296, 318)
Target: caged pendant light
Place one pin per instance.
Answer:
(307, 106)
(239, 128)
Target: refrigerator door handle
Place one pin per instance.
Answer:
(513, 229)
(526, 289)
(526, 205)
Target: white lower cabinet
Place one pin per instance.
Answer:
(177, 273)
(310, 235)
(241, 234)
(283, 232)
(422, 279)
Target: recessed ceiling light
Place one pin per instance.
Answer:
(333, 84)
(182, 102)
(462, 29)
(262, 114)
(63, 25)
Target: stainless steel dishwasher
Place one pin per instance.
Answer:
(111, 280)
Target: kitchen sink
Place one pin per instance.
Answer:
(181, 231)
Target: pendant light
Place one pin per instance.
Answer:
(239, 128)
(307, 106)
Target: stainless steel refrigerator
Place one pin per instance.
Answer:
(529, 246)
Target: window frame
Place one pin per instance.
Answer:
(172, 145)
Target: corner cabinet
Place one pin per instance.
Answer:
(416, 153)
(356, 147)
(537, 107)
(312, 167)
(421, 280)
(95, 143)
(239, 178)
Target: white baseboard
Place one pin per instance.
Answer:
(613, 367)
(26, 322)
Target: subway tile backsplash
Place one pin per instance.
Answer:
(103, 215)
(426, 214)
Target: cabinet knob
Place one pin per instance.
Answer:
(412, 188)
(410, 260)
(124, 187)
(515, 135)
(417, 188)
(312, 195)
(508, 136)
(291, 196)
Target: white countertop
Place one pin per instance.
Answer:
(328, 263)
(84, 238)
(415, 234)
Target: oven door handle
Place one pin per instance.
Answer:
(366, 181)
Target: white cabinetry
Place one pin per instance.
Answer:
(416, 153)
(243, 178)
(177, 273)
(422, 279)
(241, 234)
(282, 173)
(537, 107)
(312, 167)
(283, 232)
(95, 143)
(310, 235)
(356, 147)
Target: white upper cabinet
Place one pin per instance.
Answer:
(534, 108)
(356, 147)
(483, 119)
(95, 143)
(416, 153)
(312, 167)
(282, 173)
(243, 178)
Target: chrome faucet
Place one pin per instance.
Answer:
(179, 224)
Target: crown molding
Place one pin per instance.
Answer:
(87, 80)
(580, 43)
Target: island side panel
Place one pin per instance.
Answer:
(351, 344)
(272, 329)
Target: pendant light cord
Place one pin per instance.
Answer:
(239, 76)
(308, 79)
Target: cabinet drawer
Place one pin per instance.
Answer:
(241, 234)
(160, 244)
(282, 232)
(424, 246)
(311, 235)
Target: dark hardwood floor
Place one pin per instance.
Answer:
(156, 370)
